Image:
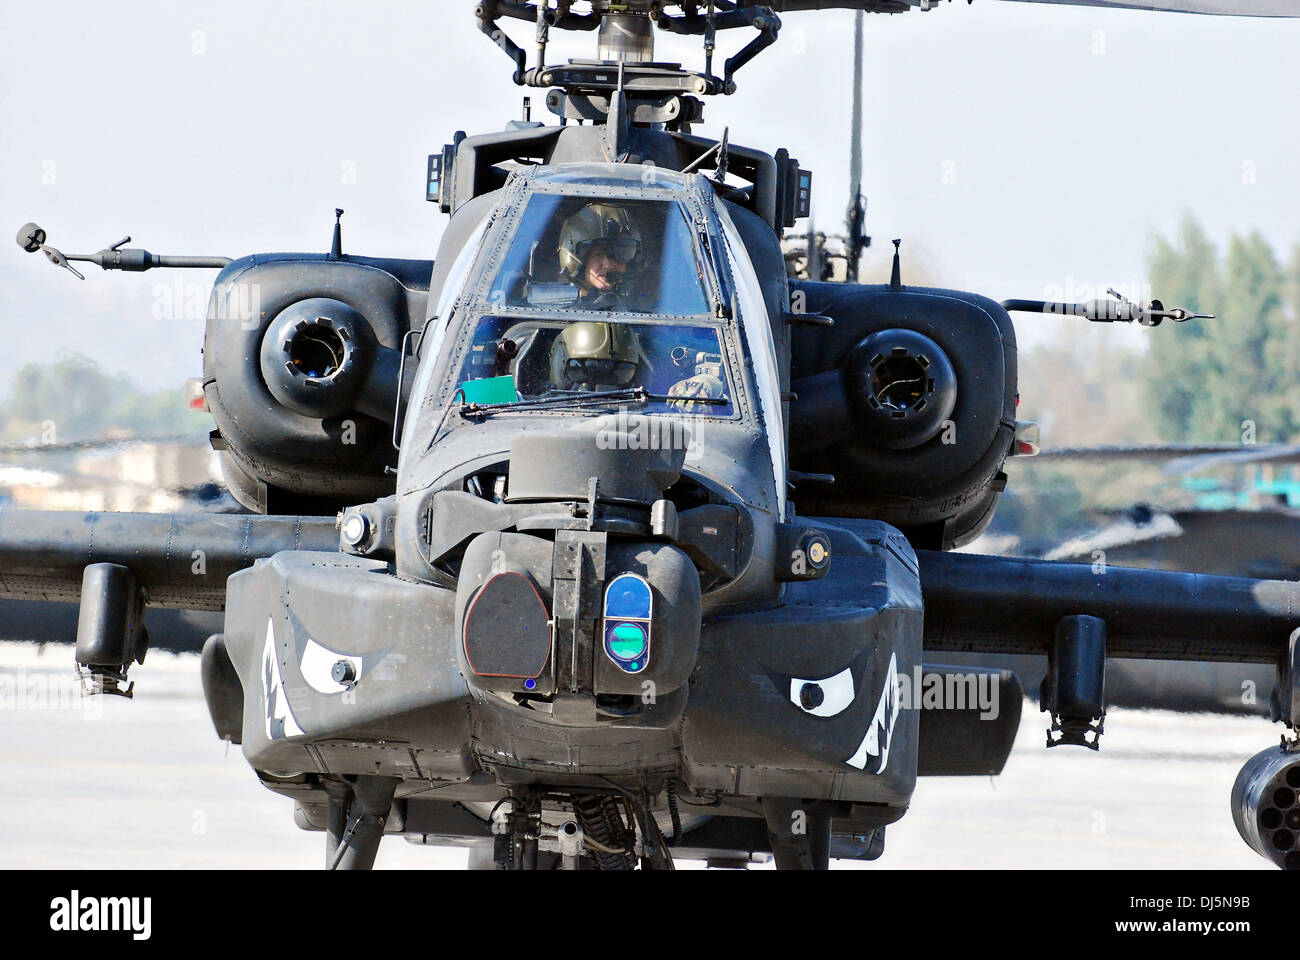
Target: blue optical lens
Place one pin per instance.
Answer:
(628, 596)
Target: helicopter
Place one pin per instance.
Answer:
(598, 515)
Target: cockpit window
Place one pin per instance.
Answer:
(680, 367)
(581, 253)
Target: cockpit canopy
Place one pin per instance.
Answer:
(598, 279)
(583, 253)
(593, 288)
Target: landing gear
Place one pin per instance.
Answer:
(483, 858)
(609, 841)
(515, 846)
(608, 830)
(358, 810)
(800, 833)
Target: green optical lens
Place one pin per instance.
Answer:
(627, 641)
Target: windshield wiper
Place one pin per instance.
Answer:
(703, 243)
(582, 398)
(573, 398)
(578, 399)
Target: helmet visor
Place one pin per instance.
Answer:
(622, 249)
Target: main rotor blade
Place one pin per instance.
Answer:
(1223, 8)
(1182, 457)
(1227, 8)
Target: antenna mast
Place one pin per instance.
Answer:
(856, 241)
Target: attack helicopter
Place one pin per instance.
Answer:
(598, 541)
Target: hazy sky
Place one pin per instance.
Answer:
(1017, 149)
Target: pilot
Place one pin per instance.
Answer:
(599, 250)
(706, 383)
(595, 356)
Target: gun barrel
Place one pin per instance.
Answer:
(194, 262)
(137, 260)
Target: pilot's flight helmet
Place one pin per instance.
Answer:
(604, 223)
(594, 355)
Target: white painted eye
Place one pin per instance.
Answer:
(317, 668)
(823, 698)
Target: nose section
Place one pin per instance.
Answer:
(625, 459)
(580, 611)
(582, 627)
(507, 629)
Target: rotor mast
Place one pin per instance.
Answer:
(625, 38)
(657, 92)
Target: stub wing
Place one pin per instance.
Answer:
(1008, 605)
(1080, 614)
(180, 560)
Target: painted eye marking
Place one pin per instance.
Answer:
(317, 668)
(824, 698)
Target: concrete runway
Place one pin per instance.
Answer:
(110, 783)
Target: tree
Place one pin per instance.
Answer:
(1197, 382)
(1208, 378)
(80, 401)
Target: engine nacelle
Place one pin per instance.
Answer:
(1266, 805)
(910, 401)
(301, 361)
